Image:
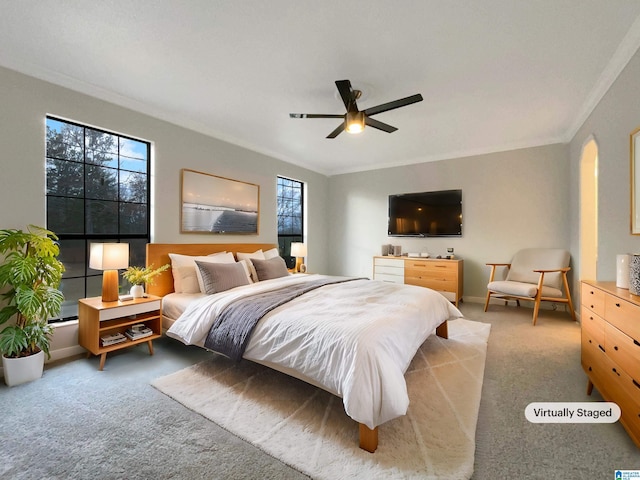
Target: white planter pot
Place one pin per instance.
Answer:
(137, 291)
(24, 369)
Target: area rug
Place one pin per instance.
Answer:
(307, 428)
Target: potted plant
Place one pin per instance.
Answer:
(137, 276)
(30, 274)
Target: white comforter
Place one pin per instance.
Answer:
(355, 339)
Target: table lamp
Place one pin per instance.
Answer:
(298, 250)
(109, 257)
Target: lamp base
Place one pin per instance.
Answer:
(298, 263)
(110, 286)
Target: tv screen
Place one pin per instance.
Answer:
(426, 214)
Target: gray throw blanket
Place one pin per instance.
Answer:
(232, 329)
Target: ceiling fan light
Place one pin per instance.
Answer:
(354, 122)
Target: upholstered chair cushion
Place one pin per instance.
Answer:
(526, 261)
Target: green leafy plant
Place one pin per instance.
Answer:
(140, 275)
(30, 274)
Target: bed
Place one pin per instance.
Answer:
(352, 337)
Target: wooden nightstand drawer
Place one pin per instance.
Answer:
(128, 310)
(593, 299)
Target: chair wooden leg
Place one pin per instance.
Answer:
(536, 309)
(566, 289)
(486, 304)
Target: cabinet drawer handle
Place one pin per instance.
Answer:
(602, 348)
(591, 307)
(615, 371)
(635, 383)
(636, 343)
(618, 305)
(615, 347)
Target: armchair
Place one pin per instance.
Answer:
(535, 274)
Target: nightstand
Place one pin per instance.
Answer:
(98, 319)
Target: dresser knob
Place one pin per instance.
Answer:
(615, 371)
(615, 348)
(618, 305)
(635, 383)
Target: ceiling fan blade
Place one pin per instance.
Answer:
(346, 93)
(337, 131)
(393, 105)
(379, 125)
(315, 115)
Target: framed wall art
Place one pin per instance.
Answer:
(213, 204)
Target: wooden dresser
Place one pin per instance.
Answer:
(444, 276)
(610, 319)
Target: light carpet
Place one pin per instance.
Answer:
(307, 428)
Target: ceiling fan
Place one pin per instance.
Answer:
(354, 119)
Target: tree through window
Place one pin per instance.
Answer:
(290, 198)
(97, 191)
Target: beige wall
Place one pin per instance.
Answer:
(25, 101)
(610, 124)
(511, 200)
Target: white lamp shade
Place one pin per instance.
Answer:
(109, 256)
(298, 249)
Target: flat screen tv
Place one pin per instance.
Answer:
(426, 214)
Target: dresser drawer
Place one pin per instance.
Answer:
(385, 269)
(593, 299)
(593, 323)
(389, 262)
(431, 265)
(616, 386)
(624, 351)
(442, 284)
(624, 315)
(591, 355)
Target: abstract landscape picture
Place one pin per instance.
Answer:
(212, 204)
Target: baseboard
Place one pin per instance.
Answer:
(63, 353)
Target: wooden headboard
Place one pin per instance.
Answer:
(158, 254)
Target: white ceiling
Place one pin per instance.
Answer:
(495, 74)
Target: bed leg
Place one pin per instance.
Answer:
(443, 330)
(368, 438)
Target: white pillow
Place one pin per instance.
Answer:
(186, 277)
(259, 254)
(272, 253)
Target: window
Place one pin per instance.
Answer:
(290, 216)
(97, 191)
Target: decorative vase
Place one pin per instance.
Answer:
(634, 274)
(22, 369)
(137, 291)
(622, 270)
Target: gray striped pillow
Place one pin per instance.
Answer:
(218, 277)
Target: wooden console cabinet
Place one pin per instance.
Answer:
(610, 319)
(444, 276)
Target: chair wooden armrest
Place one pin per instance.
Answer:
(565, 270)
(493, 269)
